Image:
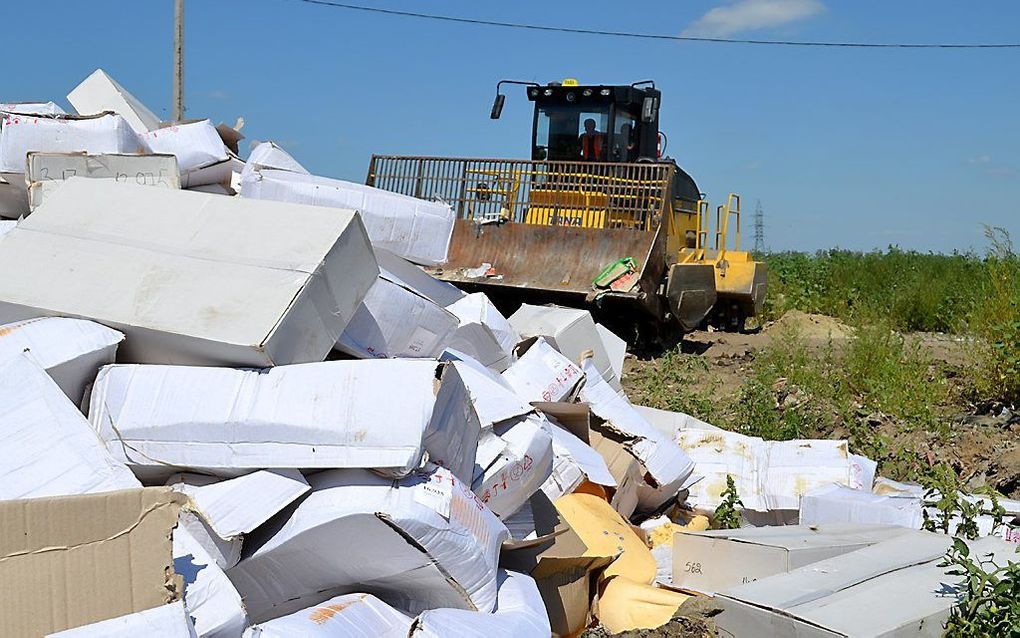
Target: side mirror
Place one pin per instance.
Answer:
(649, 109)
(497, 106)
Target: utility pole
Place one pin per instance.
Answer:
(759, 228)
(178, 110)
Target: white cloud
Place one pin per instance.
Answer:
(747, 15)
(979, 159)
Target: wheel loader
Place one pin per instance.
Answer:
(597, 218)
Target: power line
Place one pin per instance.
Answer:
(657, 36)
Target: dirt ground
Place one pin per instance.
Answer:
(985, 443)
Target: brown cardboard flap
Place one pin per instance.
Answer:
(74, 560)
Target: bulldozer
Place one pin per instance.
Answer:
(598, 217)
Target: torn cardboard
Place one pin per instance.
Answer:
(70, 350)
(196, 279)
(570, 331)
(424, 541)
(209, 597)
(483, 332)
(75, 560)
(542, 373)
(412, 276)
(514, 459)
(165, 621)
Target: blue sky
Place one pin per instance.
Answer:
(851, 148)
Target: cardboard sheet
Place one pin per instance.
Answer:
(604, 532)
(71, 561)
(209, 596)
(339, 617)
(893, 588)
(197, 279)
(395, 321)
(70, 350)
(48, 171)
(22, 134)
(48, 447)
(626, 605)
(319, 415)
(99, 92)
(415, 229)
(483, 332)
(165, 621)
(716, 560)
(519, 612)
(424, 542)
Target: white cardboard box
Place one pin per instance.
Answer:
(894, 588)
(197, 146)
(832, 504)
(339, 617)
(422, 542)
(48, 171)
(7, 226)
(70, 350)
(166, 621)
(48, 447)
(331, 414)
(543, 374)
(716, 560)
(441, 292)
(99, 92)
(520, 613)
(615, 347)
(670, 423)
(269, 155)
(569, 330)
(483, 333)
(23, 134)
(574, 461)
(666, 463)
(415, 229)
(492, 398)
(190, 278)
(395, 321)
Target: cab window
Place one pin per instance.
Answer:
(561, 133)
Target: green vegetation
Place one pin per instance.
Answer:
(944, 494)
(727, 515)
(997, 322)
(989, 595)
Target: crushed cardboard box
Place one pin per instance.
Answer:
(74, 560)
(269, 155)
(541, 373)
(424, 541)
(715, 560)
(414, 277)
(202, 157)
(483, 333)
(210, 598)
(93, 134)
(514, 459)
(831, 504)
(70, 350)
(667, 465)
(48, 447)
(570, 331)
(415, 229)
(32, 108)
(196, 279)
(395, 321)
(333, 414)
(47, 172)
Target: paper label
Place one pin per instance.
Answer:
(1011, 534)
(436, 493)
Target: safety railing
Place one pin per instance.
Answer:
(591, 195)
(723, 213)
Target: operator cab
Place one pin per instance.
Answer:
(625, 118)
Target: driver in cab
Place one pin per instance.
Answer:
(592, 142)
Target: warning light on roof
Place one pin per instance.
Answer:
(570, 82)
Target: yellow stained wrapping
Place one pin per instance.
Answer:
(663, 535)
(605, 532)
(624, 604)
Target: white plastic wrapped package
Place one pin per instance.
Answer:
(22, 134)
(361, 615)
(520, 613)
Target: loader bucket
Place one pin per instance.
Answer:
(550, 263)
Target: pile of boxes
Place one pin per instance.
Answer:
(233, 404)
